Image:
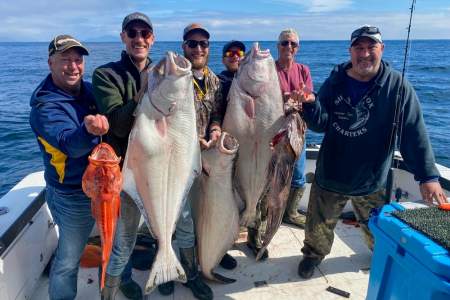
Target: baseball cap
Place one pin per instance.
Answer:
(136, 16)
(194, 27)
(369, 31)
(233, 43)
(63, 42)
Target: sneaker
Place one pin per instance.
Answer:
(306, 267)
(228, 262)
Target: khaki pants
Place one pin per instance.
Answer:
(324, 209)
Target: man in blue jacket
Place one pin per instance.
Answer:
(355, 109)
(67, 127)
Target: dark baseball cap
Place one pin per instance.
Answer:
(371, 32)
(233, 43)
(136, 17)
(194, 27)
(64, 42)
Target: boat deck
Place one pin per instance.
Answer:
(346, 268)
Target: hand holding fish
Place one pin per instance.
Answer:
(304, 95)
(432, 190)
(214, 134)
(291, 105)
(96, 125)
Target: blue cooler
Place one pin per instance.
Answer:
(406, 264)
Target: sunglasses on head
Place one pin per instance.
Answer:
(132, 33)
(365, 29)
(193, 43)
(287, 43)
(230, 53)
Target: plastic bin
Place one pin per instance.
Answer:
(405, 263)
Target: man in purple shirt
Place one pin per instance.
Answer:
(293, 78)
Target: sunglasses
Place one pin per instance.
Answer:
(365, 29)
(145, 33)
(230, 53)
(287, 43)
(193, 43)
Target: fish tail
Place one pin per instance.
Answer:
(165, 268)
(102, 280)
(107, 222)
(261, 252)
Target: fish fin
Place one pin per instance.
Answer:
(222, 279)
(161, 126)
(249, 107)
(165, 269)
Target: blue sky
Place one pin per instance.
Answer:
(99, 20)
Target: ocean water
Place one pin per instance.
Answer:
(24, 66)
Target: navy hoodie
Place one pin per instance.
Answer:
(355, 156)
(56, 119)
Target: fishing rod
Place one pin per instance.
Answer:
(396, 134)
(402, 90)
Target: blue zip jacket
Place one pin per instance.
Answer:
(56, 119)
(356, 152)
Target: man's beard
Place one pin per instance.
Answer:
(199, 65)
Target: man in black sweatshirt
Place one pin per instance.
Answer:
(355, 109)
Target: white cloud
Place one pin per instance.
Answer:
(321, 6)
(100, 20)
(319, 27)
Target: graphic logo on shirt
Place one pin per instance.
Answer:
(350, 120)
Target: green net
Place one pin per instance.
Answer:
(431, 221)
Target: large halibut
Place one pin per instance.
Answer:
(163, 158)
(216, 212)
(254, 115)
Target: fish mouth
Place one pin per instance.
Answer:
(104, 154)
(228, 144)
(181, 64)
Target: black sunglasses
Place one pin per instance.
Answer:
(193, 43)
(366, 29)
(287, 43)
(145, 33)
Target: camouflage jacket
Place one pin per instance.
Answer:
(209, 105)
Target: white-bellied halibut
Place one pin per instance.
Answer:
(216, 213)
(254, 115)
(163, 158)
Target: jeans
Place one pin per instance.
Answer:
(71, 211)
(298, 178)
(126, 234)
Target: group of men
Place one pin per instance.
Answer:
(354, 108)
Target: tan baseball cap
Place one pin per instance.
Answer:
(195, 27)
(64, 42)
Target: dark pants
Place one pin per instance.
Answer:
(324, 209)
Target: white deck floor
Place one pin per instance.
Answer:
(345, 268)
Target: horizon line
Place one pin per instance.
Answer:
(220, 41)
